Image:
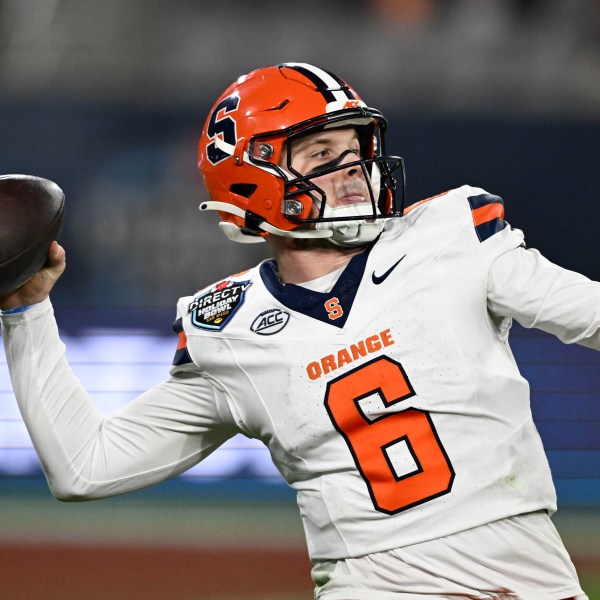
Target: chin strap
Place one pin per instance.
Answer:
(237, 234)
(355, 232)
(340, 233)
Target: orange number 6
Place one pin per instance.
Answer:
(397, 452)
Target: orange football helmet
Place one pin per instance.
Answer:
(243, 142)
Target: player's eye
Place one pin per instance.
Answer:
(321, 154)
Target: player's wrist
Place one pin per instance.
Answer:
(17, 302)
(23, 307)
(16, 310)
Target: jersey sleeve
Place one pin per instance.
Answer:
(85, 455)
(524, 285)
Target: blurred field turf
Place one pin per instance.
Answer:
(591, 583)
(184, 548)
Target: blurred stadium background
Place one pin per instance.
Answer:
(108, 99)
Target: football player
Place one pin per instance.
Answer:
(370, 355)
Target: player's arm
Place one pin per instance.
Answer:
(523, 285)
(84, 455)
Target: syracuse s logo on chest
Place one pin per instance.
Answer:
(215, 308)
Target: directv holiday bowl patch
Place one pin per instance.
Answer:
(215, 308)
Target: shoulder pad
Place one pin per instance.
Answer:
(421, 202)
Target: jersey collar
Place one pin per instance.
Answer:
(314, 304)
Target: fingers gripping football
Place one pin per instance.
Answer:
(38, 287)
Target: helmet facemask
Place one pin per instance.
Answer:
(305, 200)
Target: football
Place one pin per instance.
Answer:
(31, 217)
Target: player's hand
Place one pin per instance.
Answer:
(38, 288)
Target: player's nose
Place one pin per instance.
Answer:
(352, 170)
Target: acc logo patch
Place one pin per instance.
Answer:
(270, 321)
(215, 308)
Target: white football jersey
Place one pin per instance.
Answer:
(391, 403)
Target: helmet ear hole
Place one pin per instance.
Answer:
(243, 189)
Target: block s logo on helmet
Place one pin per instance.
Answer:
(222, 130)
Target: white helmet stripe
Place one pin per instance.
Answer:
(333, 89)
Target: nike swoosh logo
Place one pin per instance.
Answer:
(377, 279)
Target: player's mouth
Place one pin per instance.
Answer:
(351, 193)
(351, 199)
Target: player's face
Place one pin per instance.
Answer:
(329, 148)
